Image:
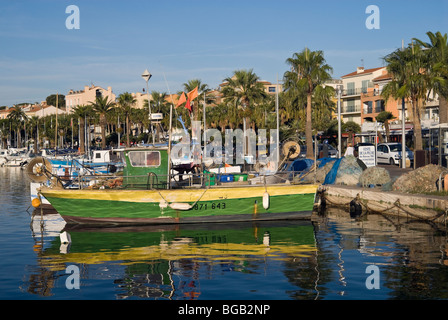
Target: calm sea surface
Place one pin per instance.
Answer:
(333, 257)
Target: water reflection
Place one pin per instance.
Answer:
(321, 259)
(412, 255)
(169, 262)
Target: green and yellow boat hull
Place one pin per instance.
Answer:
(217, 204)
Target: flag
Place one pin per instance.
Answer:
(188, 106)
(193, 94)
(181, 100)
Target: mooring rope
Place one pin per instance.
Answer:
(396, 204)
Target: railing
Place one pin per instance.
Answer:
(351, 109)
(373, 93)
(368, 110)
(152, 181)
(355, 91)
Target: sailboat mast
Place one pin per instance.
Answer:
(56, 131)
(278, 126)
(205, 142)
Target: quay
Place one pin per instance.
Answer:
(359, 201)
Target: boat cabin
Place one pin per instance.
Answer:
(106, 156)
(146, 167)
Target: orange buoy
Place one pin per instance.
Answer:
(35, 202)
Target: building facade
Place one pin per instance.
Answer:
(356, 84)
(87, 96)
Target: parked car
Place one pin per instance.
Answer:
(391, 153)
(332, 152)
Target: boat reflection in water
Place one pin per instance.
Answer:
(168, 262)
(325, 258)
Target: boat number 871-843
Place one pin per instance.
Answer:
(213, 206)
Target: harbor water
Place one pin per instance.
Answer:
(332, 257)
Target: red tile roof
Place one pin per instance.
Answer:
(383, 77)
(365, 71)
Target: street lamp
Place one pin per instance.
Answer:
(403, 134)
(339, 91)
(146, 76)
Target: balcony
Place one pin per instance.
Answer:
(356, 108)
(373, 93)
(356, 91)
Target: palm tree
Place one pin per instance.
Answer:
(243, 91)
(82, 112)
(125, 103)
(34, 127)
(409, 82)
(308, 71)
(324, 107)
(4, 132)
(202, 91)
(437, 69)
(140, 118)
(17, 116)
(384, 117)
(102, 106)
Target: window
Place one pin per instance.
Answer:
(350, 88)
(365, 85)
(369, 107)
(271, 89)
(379, 106)
(435, 113)
(350, 106)
(144, 158)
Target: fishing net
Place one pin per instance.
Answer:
(349, 171)
(421, 180)
(374, 176)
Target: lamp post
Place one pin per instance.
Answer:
(146, 76)
(339, 91)
(403, 134)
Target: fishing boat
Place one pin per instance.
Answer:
(150, 192)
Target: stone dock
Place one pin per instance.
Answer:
(359, 200)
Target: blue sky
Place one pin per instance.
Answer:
(197, 39)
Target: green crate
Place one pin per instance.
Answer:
(240, 177)
(210, 178)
